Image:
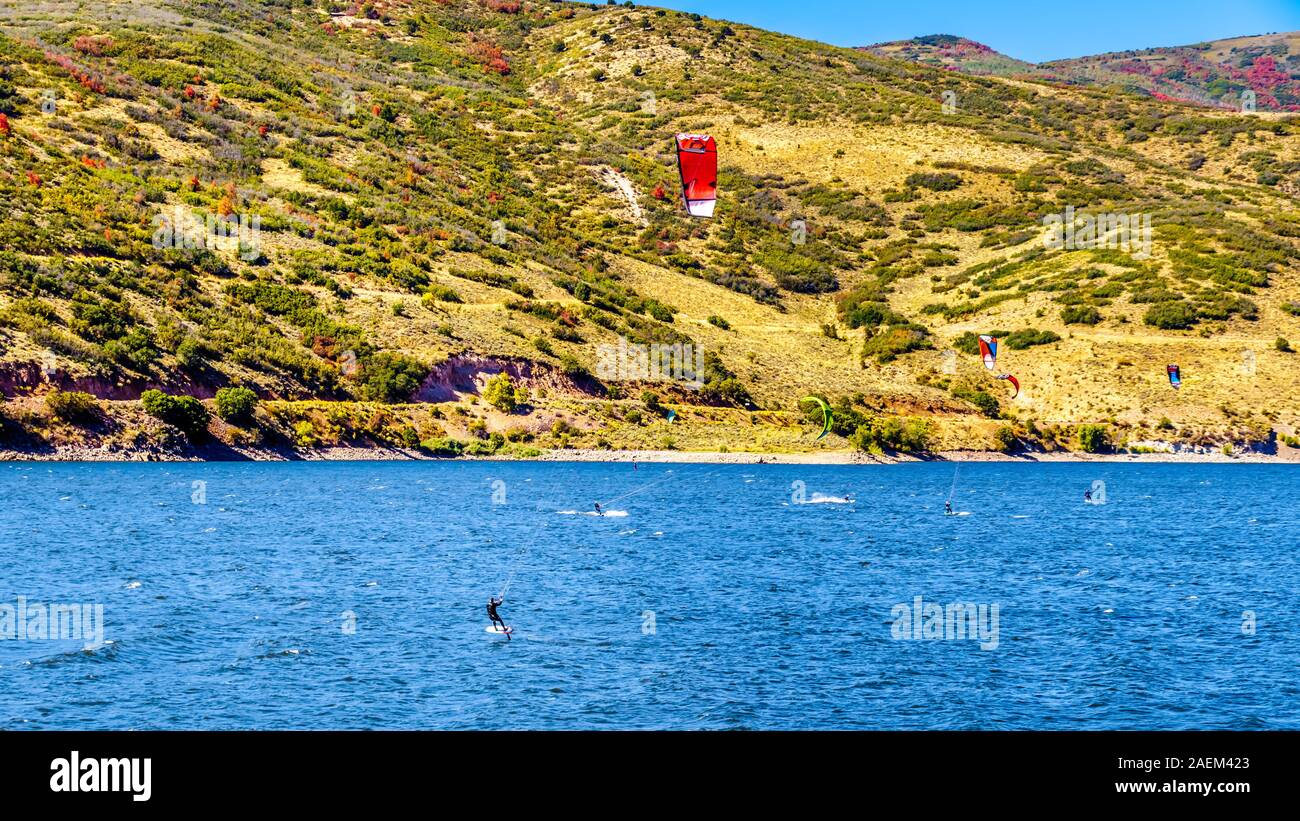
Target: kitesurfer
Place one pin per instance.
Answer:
(599, 512)
(947, 508)
(492, 605)
(1087, 495)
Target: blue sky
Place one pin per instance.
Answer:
(1030, 31)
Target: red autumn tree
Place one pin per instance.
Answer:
(95, 46)
(489, 56)
(226, 206)
(1265, 75)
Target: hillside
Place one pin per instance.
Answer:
(1221, 73)
(446, 191)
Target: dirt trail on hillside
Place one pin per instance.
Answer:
(1151, 339)
(614, 179)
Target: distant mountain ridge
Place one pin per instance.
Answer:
(954, 53)
(1234, 73)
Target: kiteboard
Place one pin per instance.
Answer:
(494, 629)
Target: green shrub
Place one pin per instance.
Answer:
(441, 293)
(1028, 337)
(1283, 345)
(659, 311)
(1080, 315)
(911, 435)
(184, 412)
(894, 341)
(719, 322)
(1093, 438)
(935, 181)
(1173, 315)
(484, 447)
(443, 446)
(305, 434)
(980, 399)
(1005, 440)
(100, 322)
(190, 352)
(915, 436)
(391, 377)
(136, 350)
(572, 367)
(501, 393)
(236, 404)
(967, 343)
(798, 273)
(72, 406)
(845, 416)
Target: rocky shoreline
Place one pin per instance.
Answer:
(376, 453)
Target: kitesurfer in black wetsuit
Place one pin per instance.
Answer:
(492, 606)
(599, 512)
(947, 508)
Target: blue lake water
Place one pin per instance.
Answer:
(351, 595)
